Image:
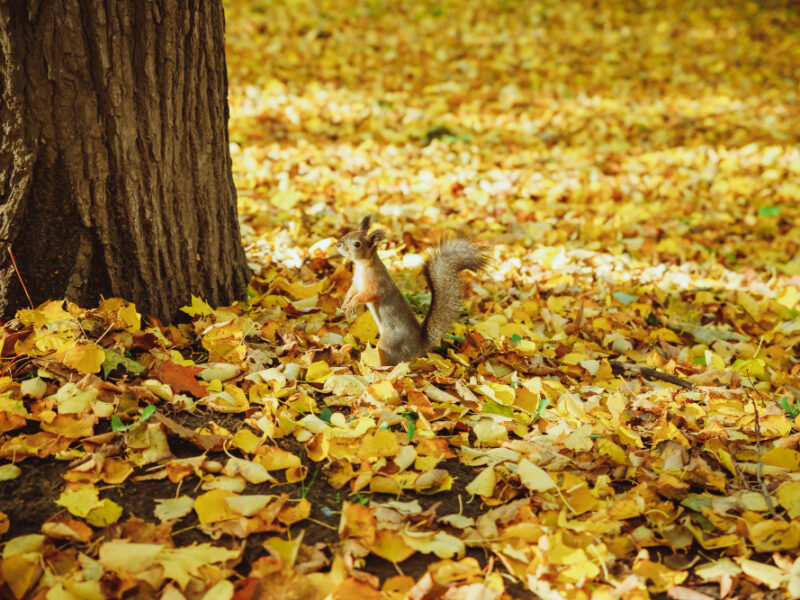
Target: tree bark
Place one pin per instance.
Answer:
(115, 172)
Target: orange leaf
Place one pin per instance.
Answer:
(180, 378)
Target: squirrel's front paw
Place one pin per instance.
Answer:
(349, 308)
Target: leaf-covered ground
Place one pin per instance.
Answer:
(635, 168)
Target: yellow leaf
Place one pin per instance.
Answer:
(181, 564)
(379, 443)
(714, 570)
(24, 544)
(120, 555)
(613, 451)
(439, 543)
(483, 484)
(789, 297)
(788, 495)
(246, 440)
(105, 513)
(782, 457)
(774, 534)
(591, 366)
(364, 328)
(20, 572)
(299, 291)
(489, 432)
(534, 477)
(251, 472)
(616, 406)
(198, 307)
(274, 459)
(770, 576)
(79, 501)
(663, 578)
(286, 550)
(385, 485)
(498, 392)
(285, 199)
(130, 317)
(168, 509)
(45, 314)
(86, 357)
(383, 391)
(602, 324)
(212, 508)
(573, 358)
(318, 372)
(433, 482)
(391, 546)
(370, 356)
(750, 304)
(70, 399)
(222, 590)
(248, 505)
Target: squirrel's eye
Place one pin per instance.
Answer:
(356, 244)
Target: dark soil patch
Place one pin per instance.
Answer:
(29, 501)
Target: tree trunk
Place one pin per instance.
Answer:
(115, 173)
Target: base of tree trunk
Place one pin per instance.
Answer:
(115, 173)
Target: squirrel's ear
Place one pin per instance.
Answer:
(365, 223)
(375, 237)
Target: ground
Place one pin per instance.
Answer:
(634, 171)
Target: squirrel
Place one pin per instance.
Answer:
(402, 337)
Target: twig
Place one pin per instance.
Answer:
(759, 464)
(739, 474)
(16, 270)
(623, 368)
(323, 523)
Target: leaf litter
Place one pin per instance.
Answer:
(636, 173)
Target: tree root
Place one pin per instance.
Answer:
(628, 369)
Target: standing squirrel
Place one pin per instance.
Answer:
(402, 337)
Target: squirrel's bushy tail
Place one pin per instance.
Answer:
(441, 270)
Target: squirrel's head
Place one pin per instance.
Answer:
(360, 244)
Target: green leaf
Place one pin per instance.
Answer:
(626, 299)
(494, 408)
(707, 335)
(362, 499)
(411, 424)
(516, 338)
(699, 360)
(543, 403)
(454, 338)
(113, 360)
(790, 409)
(325, 414)
(696, 502)
(148, 410)
(117, 426)
(769, 211)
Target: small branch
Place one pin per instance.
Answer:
(624, 368)
(16, 270)
(736, 468)
(759, 464)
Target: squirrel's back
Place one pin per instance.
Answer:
(441, 269)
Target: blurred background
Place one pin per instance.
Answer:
(665, 131)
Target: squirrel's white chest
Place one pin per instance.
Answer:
(360, 281)
(358, 277)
